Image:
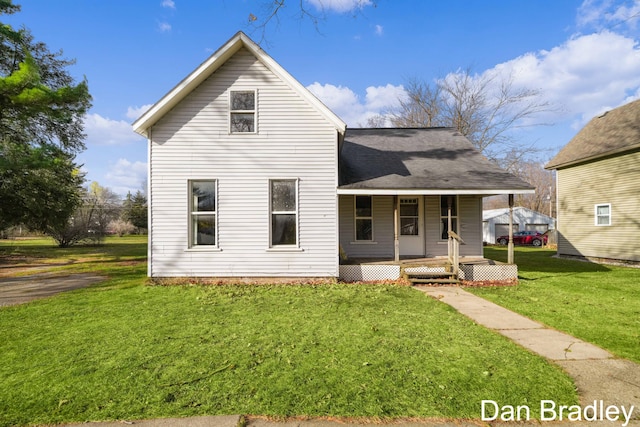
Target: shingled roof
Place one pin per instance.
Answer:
(424, 161)
(613, 132)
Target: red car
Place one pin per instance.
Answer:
(525, 238)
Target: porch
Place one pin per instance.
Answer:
(437, 270)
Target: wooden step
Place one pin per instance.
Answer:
(451, 281)
(429, 273)
(432, 277)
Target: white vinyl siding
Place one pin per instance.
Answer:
(192, 142)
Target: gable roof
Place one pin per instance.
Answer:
(419, 161)
(613, 132)
(208, 67)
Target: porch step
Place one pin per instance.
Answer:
(432, 277)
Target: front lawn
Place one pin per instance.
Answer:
(597, 303)
(126, 350)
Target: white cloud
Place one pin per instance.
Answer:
(584, 76)
(340, 6)
(168, 4)
(379, 29)
(125, 176)
(164, 27)
(608, 14)
(105, 131)
(349, 106)
(134, 113)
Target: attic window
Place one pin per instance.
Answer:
(242, 111)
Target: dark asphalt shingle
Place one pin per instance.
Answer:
(430, 158)
(615, 131)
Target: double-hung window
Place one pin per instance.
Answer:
(242, 111)
(284, 212)
(603, 214)
(364, 219)
(448, 203)
(203, 213)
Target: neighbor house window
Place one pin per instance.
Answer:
(202, 213)
(364, 218)
(447, 202)
(603, 214)
(242, 111)
(284, 212)
(409, 210)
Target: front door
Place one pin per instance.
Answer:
(411, 223)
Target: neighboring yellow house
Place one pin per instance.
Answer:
(598, 187)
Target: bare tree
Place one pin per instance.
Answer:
(272, 10)
(485, 108)
(544, 180)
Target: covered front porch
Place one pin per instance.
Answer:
(410, 205)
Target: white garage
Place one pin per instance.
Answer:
(495, 222)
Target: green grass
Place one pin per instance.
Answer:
(597, 303)
(126, 350)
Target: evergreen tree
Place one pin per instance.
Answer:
(41, 130)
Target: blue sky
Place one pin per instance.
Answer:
(583, 55)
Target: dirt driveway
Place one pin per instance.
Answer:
(18, 290)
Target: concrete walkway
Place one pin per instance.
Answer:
(597, 374)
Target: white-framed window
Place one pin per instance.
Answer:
(409, 216)
(203, 213)
(242, 111)
(283, 206)
(445, 201)
(603, 214)
(363, 212)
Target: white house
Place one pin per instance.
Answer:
(250, 175)
(495, 222)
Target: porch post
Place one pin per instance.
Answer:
(510, 246)
(396, 231)
(449, 220)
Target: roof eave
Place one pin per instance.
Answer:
(431, 191)
(575, 162)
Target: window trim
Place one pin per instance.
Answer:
(296, 245)
(356, 218)
(254, 111)
(191, 213)
(596, 215)
(456, 217)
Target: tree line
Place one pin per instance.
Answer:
(42, 109)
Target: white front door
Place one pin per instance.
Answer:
(411, 211)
